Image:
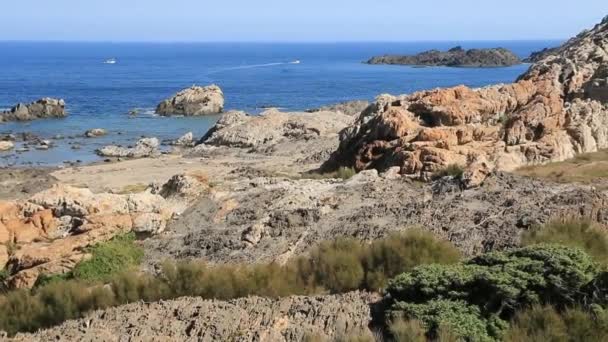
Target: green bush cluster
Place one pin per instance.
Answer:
(478, 297)
(337, 266)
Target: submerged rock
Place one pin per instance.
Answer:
(193, 101)
(95, 132)
(41, 109)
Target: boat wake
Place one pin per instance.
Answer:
(253, 66)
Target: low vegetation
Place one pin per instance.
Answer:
(584, 168)
(452, 170)
(337, 266)
(343, 173)
(583, 234)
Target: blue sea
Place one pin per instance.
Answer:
(253, 76)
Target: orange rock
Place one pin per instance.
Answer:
(5, 234)
(24, 231)
(44, 220)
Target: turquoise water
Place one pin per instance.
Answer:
(252, 75)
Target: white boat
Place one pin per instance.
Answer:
(110, 61)
(297, 61)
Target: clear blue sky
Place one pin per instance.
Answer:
(291, 20)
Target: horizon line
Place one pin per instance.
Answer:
(275, 41)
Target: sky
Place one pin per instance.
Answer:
(296, 21)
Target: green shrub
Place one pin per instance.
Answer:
(109, 258)
(497, 284)
(453, 170)
(575, 233)
(346, 172)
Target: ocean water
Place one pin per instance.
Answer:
(252, 75)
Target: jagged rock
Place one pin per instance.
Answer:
(95, 132)
(554, 111)
(186, 140)
(6, 146)
(455, 57)
(41, 109)
(238, 129)
(146, 147)
(295, 318)
(194, 101)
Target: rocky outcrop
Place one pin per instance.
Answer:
(41, 109)
(455, 57)
(537, 56)
(554, 111)
(238, 129)
(247, 319)
(51, 230)
(146, 147)
(186, 140)
(272, 219)
(193, 101)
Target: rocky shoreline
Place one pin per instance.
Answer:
(269, 188)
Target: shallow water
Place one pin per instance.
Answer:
(252, 75)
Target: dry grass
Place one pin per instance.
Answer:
(584, 168)
(133, 189)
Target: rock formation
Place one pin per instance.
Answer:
(193, 101)
(455, 57)
(41, 109)
(554, 111)
(537, 56)
(146, 147)
(6, 146)
(246, 319)
(50, 231)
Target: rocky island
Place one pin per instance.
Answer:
(455, 57)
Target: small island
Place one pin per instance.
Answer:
(455, 57)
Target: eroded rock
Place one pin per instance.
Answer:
(194, 101)
(41, 109)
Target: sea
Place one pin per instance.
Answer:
(253, 76)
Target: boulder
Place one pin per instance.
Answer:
(146, 147)
(6, 146)
(194, 101)
(186, 140)
(95, 132)
(41, 109)
(554, 111)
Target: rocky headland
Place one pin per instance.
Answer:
(553, 112)
(40, 109)
(455, 57)
(193, 101)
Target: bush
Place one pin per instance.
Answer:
(407, 331)
(110, 258)
(575, 233)
(346, 172)
(545, 323)
(496, 284)
(348, 264)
